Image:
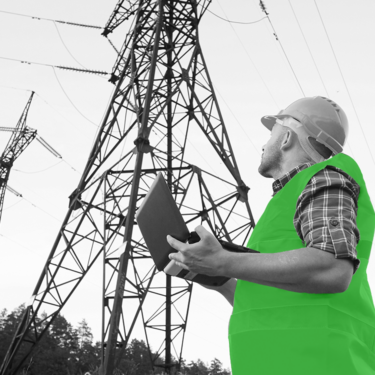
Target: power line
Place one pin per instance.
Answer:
(252, 62)
(247, 136)
(312, 57)
(263, 8)
(41, 209)
(74, 125)
(342, 76)
(67, 49)
(49, 19)
(71, 102)
(307, 45)
(40, 171)
(57, 66)
(12, 205)
(242, 23)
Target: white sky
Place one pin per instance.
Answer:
(251, 78)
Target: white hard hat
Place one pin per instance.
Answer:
(321, 119)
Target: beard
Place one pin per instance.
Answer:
(271, 161)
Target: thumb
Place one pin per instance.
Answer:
(202, 232)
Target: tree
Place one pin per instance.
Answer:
(216, 368)
(65, 350)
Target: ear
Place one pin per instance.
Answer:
(288, 140)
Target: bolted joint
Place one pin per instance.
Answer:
(190, 112)
(196, 170)
(242, 192)
(142, 144)
(114, 78)
(74, 200)
(204, 214)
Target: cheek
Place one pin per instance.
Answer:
(266, 147)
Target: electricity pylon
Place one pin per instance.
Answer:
(21, 137)
(162, 115)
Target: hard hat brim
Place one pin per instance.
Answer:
(269, 121)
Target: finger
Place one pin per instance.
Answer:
(202, 231)
(180, 264)
(176, 257)
(176, 244)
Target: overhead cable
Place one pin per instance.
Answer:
(41, 209)
(57, 66)
(34, 205)
(49, 19)
(71, 123)
(251, 60)
(67, 49)
(263, 9)
(242, 23)
(71, 102)
(342, 76)
(40, 171)
(247, 136)
(307, 45)
(12, 205)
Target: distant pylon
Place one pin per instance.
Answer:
(21, 137)
(164, 101)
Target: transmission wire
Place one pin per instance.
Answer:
(316, 67)
(263, 8)
(71, 102)
(12, 205)
(67, 49)
(346, 86)
(56, 66)
(242, 23)
(252, 62)
(247, 136)
(307, 45)
(49, 19)
(40, 171)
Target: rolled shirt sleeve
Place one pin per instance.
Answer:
(326, 214)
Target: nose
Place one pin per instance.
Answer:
(263, 148)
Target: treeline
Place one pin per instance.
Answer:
(65, 350)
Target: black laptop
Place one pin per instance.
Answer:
(159, 216)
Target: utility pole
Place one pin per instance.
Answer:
(163, 113)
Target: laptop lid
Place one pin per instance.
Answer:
(157, 217)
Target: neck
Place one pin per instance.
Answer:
(287, 166)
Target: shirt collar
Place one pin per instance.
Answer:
(278, 184)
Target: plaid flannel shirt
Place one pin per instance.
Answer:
(326, 211)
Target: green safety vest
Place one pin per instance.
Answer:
(273, 331)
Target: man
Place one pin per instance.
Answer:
(302, 306)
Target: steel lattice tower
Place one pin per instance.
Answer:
(21, 137)
(163, 98)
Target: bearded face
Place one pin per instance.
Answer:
(272, 155)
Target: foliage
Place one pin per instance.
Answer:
(65, 350)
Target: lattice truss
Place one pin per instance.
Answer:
(164, 108)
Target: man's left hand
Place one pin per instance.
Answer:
(205, 257)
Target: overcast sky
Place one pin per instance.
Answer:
(251, 76)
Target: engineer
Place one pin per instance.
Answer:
(303, 305)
